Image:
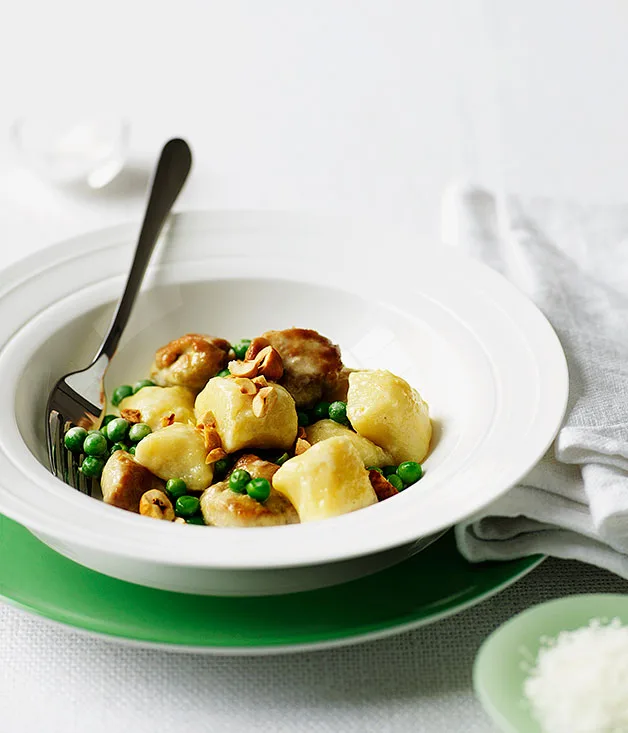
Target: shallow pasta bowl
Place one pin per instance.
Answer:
(481, 354)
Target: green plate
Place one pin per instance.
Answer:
(432, 584)
(502, 664)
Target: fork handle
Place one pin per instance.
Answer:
(171, 172)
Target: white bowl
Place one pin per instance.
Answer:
(481, 354)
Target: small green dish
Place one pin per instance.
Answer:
(432, 584)
(502, 662)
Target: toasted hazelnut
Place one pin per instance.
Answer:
(255, 347)
(243, 368)
(167, 420)
(156, 504)
(208, 420)
(301, 446)
(216, 454)
(266, 363)
(246, 385)
(211, 437)
(132, 415)
(270, 364)
(263, 400)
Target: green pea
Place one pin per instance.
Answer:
(103, 431)
(176, 487)
(224, 373)
(410, 472)
(374, 468)
(321, 411)
(303, 418)
(389, 470)
(119, 393)
(221, 467)
(107, 419)
(186, 506)
(74, 439)
(92, 467)
(139, 431)
(118, 446)
(118, 429)
(142, 383)
(338, 412)
(258, 489)
(282, 459)
(395, 481)
(132, 450)
(95, 445)
(195, 520)
(238, 480)
(241, 348)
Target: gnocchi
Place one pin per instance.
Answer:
(176, 450)
(371, 454)
(327, 480)
(385, 409)
(232, 402)
(269, 431)
(153, 405)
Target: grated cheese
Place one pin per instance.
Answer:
(579, 683)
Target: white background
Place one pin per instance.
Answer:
(361, 106)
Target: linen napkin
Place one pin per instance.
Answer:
(572, 261)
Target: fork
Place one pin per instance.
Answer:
(78, 398)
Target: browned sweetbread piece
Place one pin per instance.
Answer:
(124, 481)
(382, 487)
(336, 391)
(223, 507)
(190, 361)
(257, 467)
(310, 361)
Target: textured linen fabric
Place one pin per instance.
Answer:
(572, 261)
(55, 681)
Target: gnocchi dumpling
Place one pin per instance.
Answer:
(176, 451)
(155, 403)
(327, 480)
(371, 454)
(385, 409)
(246, 417)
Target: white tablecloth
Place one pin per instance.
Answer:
(363, 107)
(54, 681)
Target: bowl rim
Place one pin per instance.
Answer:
(340, 538)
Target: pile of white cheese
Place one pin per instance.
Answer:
(580, 681)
